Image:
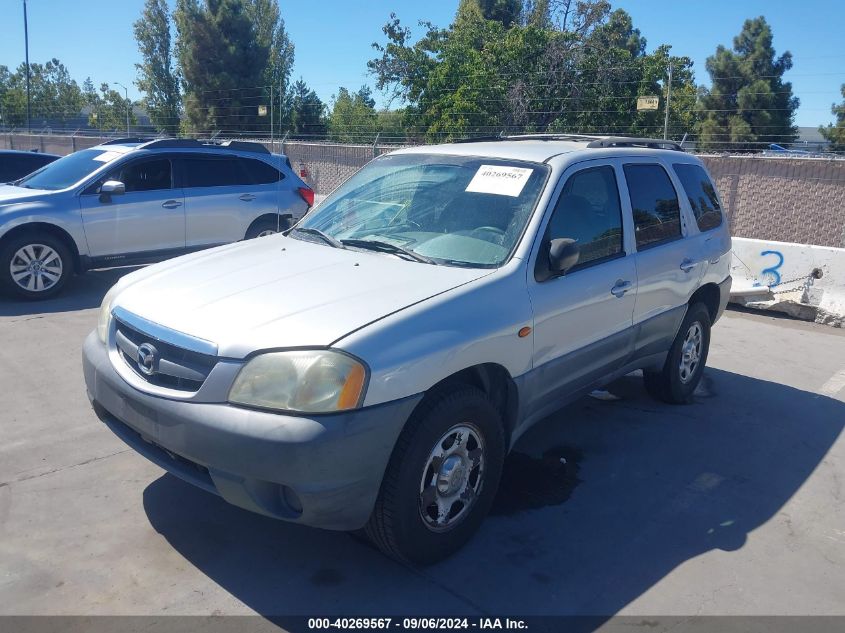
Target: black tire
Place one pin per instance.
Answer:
(267, 226)
(397, 526)
(669, 384)
(50, 252)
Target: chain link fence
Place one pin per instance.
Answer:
(770, 198)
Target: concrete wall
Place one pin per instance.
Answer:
(804, 281)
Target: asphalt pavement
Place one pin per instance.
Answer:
(731, 505)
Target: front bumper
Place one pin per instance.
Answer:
(323, 470)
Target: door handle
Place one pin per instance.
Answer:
(687, 265)
(171, 204)
(247, 197)
(620, 288)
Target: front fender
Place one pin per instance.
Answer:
(412, 350)
(15, 215)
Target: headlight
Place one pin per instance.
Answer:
(104, 320)
(307, 381)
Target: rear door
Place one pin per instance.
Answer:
(274, 191)
(582, 319)
(220, 199)
(148, 220)
(669, 264)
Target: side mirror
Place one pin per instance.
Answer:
(563, 255)
(111, 188)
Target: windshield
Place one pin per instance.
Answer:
(455, 210)
(68, 170)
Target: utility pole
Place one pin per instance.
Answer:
(128, 105)
(26, 45)
(271, 116)
(668, 99)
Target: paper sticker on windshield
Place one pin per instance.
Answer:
(107, 156)
(499, 180)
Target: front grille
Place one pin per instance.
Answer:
(172, 367)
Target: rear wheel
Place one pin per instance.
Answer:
(35, 266)
(677, 380)
(267, 226)
(441, 479)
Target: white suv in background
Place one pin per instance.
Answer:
(372, 368)
(135, 201)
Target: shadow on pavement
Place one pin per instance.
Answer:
(82, 292)
(656, 486)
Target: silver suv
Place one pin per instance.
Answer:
(131, 201)
(372, 368)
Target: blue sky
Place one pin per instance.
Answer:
(333, 37)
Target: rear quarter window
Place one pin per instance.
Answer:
(701, 193)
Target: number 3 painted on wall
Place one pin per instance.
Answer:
(773, 270)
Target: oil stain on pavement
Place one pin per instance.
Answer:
(529, 483)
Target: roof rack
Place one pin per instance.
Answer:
(190, 143)
(593, 141)
(627, 141)
(480, 139)
(130, 139)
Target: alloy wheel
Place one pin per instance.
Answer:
(36, 267)
(691, 352)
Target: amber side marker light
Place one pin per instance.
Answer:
(524, 332)
(351, 392)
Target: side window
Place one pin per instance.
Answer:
(214, 172)
(144, 175)
(260, 173)
(589, 212)
(701, 194)
(657, 213)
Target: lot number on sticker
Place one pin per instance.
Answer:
(502, 181)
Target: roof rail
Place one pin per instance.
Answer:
(592, 140)
(183, 143)
(553, 137)
(628, 141)
(246, 146)
(480, 139)
(130, 139)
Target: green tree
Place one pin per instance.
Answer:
(749, 105)
(353, 118)
(835, 133)
(157, 77)
(109, 109)
(564, 67)
(270, 32)
(55, 97)
(227, 51)
(307, 118)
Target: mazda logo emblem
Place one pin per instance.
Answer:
(147, 359)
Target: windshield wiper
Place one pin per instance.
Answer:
(387, 247)
(328, 239)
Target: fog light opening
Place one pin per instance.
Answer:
(290, 499)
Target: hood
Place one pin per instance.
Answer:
(9, 194)
(276, 292)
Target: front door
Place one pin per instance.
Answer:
(582, 319)
(145, 221)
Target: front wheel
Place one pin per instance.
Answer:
(267, 226)
(677, 380)
(35, 266)
(441, 479)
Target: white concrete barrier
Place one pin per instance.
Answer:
(800, 279)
